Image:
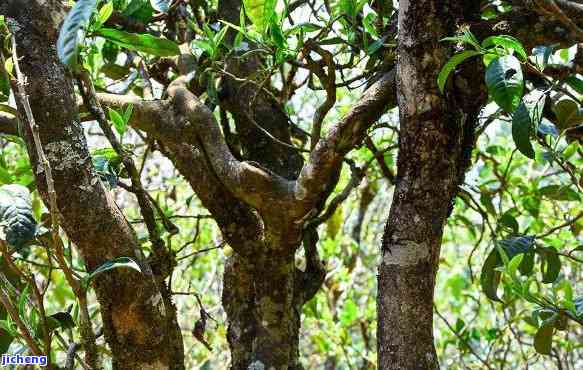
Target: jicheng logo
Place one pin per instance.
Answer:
(8, 360)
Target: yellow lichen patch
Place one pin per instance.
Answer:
(127, 321)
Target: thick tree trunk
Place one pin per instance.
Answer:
(263, 321)
(139, 319)
(436, 139)
(263, 298)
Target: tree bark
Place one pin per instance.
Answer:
(435, 144)
(139, 318)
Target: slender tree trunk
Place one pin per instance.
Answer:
(436, 139)
(139, 319)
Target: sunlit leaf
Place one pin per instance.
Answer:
(140, 42)
(260, 12)
(508, 42)
(120, 262)
(450, 66)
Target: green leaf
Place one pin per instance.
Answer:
(559, 192)
(514, 264)
(61, 320)
(104, 13)
(575, 83)
(127, 114)
(16, 215)
(160, 5)
(118, 121)
(521, 130)
(543, 339)
(568, 113)
(505, 82)
(73, 31)
(140, 42)
(349, 312)
(260, 12)
(507, 42)
(140, 10)
(453, 62)
(490, 277)
(551, 264)
(277, 34)
(527, 264)
(508, 220)
(120, 262)
(203, 45)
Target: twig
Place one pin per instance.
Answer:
(563, 225)
(5, 300)
(461, 338)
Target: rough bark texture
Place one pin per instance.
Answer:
(140, 328)
(435, 143)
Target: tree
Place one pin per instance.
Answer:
(435, 144)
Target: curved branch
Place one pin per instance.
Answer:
(183, 118)
(325, 161)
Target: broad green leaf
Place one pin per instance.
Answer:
(277, 34)
(260, 12)
(115, 71)
(543, 339)
(140, 10)
(120, 262)
(521, 130)
(568, 113)
(73, 31)
(453, 62)
(505, 82)
(16, 215)
(508, 42)
(203, 45)
(160, 5)
(551, 264)
(62, 320)
(511, 247)
(509, 221)
(575, 83)
(559, 192)
(527, 264)
(140, 42)
(490, 277)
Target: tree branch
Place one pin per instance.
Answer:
(326, 159)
